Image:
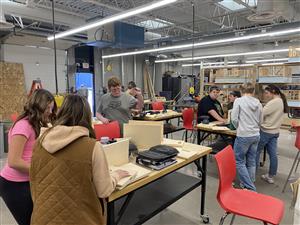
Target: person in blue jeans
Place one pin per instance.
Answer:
(269, 130)
(246, 117)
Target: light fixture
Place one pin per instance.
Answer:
(267, 60)
(208, 64)
(112, 18)
(228, 66)
(224, 55)
(272, 64)
(206, 43)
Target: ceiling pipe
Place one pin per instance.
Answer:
(39, 14)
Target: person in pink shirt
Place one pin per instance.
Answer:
(39, 110)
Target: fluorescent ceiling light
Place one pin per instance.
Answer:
(208, 64)
(272, 64)
(224, 55)
(206, 43)
(228, 66)
(112, 18)
(267, 60)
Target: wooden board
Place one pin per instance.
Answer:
(117, 153)
(145, 122)
(144, 136)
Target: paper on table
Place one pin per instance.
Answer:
(136, 172)
(185, 154)
(220, 128)
(172, 142)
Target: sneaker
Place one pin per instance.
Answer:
(267, 178)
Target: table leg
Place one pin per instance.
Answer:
(203, 185)
(264, 157)
(204, 217)
(110, 213)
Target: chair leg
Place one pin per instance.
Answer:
(232, 219)
(223, 218)
(265, 223)
(297, 166)
(294, 163)
(186, 136)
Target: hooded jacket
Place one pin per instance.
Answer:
(68, 175)
(246, 116)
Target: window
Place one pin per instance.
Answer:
(234, 6)
(154, 24)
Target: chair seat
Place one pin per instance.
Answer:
(245, 203)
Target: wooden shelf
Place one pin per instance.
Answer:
(231, 80)
(274, 80)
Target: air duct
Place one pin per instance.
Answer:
(270, 10)
(264, 12)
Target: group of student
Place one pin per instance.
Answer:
(56, 171)
(257, 127)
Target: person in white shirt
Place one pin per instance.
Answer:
(246, 117)
(269, 129)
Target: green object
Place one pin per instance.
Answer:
(231, 127)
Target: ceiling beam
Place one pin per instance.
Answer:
(116, 9)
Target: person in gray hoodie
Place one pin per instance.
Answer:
(246, 117)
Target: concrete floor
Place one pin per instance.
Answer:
(186, 210)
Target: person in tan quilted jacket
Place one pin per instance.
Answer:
(69, 174)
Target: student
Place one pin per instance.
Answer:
(69, 171)
(14, 178)
(210, 106)
(136, 92)
(232, 97)
(269, 129)
(246, 117)
(115, 105)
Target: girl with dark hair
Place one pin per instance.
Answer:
(39, 110)
(269, 131)
(69, 171)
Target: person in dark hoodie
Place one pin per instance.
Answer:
(69, 171)
(246, 116)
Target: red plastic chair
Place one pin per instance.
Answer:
(240, 201)
(111, 130)
(188, 120)
(297, 145)
(157, 105)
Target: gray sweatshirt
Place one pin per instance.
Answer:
(246, 116)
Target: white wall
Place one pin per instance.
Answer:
(30, 56)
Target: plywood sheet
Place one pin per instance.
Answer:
(144, 136)
(117, 153)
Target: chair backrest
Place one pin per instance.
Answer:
(157, 105)
(227, 170)
(297, 141)
(111, 130)
(188, 117)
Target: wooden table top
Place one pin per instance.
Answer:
(154, 175)
(216, 129)
(170, 114)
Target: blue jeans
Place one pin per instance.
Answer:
(245, 156)
(268, 141)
